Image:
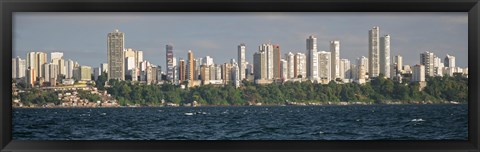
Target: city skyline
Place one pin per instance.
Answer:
(293, 40)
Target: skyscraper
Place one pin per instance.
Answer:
(345, 71)
(69, 67)
(398, 65)
(427, 59)
(449, 61)
(268, 49)
(312, 58)
(374, 51)
(385, 55)
(241, 61)
(35, 60)
(335, 52)
(169, 60)
(115, 44)
(300, 65)
(19, 68)
(190, 66)
(324, 66)
(362, 66)
(419, 73)
(290, 63)
(259, 62)
(283, 69)
(276, 62)
(31, 63)
(181, 70)
(41, 60)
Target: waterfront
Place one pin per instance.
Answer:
(351, 122)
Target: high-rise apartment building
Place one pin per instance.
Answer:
(397, 65)
(69, 67)
(324, 66)
(283, 69)
(181, 70)
(190, 66)
(268, 49)
(18, 67)
(335, 52)
(362, 66)
(449, 61)
(374, 51)
(169, 60)
(385, 55)
(345, 72)
(276, 62)
(300, 65)
(35, 60)
(290, 65)
(427, 59)
(115, 48)
(259, 63)
(312, 58)
(241, 60)
(419, 73)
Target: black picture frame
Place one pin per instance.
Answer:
(7, 7)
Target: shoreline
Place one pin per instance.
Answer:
(273, 105)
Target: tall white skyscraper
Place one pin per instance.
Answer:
(397, 65)
(385, 55)
(300, 65)
(283, 69)
(290, 63)
(374, 51)
(335, 52)
(312, 58)
(31, 60)
(130, 66)
(19, 67)
(345, 72)
(268, 49)
(115, 47)
(362, 66)
(324, 66)
(35, 61)
(69, 67)
(46, 73)
(241, 60)
(449, 61)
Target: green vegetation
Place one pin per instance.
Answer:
(39, 97)
(379, 90)
(89, 96)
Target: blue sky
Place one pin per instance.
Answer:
(83, 36)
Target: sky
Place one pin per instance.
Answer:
(82, 36)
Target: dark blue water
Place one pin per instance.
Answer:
(373, 122)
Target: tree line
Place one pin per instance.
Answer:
(379, 90)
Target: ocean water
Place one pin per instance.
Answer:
(354, 122)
